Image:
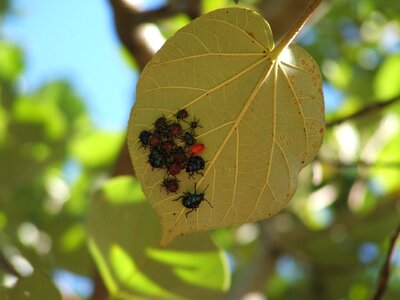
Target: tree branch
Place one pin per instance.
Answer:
(129, 17)
(373, 108)
(386, 268)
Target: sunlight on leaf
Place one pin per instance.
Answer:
(188, 269)
(386, 80)
(11, 61)
(130, 274)
(96, 149)
(261, 111)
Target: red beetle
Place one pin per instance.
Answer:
(175, 169)
(196, 149)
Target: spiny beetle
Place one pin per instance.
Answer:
(194, 165)
(162, 127)
(156, 158)
(194, 124)
(175, 169)
(181, 114)
(144, 138)
(175, 129)
(171, 185)
(179, 155)
(193, 200)
(154, 140)
(168, 146)
(188, 138)
(160, 122)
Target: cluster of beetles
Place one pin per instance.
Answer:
(174, 148)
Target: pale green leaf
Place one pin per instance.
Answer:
(11, 61)
(386, 82)
(42, 114)
(124, 242)
(97, 149)
(261, 111)
(388, 178)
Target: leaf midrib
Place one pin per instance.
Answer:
(245, 108)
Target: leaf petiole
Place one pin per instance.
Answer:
(292, 33)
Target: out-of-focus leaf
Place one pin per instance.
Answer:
(387, 178)
(128, 59)
(97, 149)
(39, 116)
(122, 190)
(376, 227)
(209, 5)
(123, 240)
(3, 220)
(65, 98)
(339, 73)
(38, 286)
(386, 84)
(11, 60)
(3, 125)
(169, 26)
(261, 112)
(69, 243)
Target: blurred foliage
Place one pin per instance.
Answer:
(51, 157)
(330, 243)
(132, 263)
(4, 7)
(37, 286)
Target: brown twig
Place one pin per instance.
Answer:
(295, 29)
(373, 108)
(386, 268)
(128, 18)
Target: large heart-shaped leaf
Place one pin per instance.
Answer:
(261, 111)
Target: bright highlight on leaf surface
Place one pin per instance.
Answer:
(261, 111)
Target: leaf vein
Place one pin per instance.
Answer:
(239, 29)
(193, 35)
(299, 106)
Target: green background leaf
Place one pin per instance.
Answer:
(386, 80)
(123, 239)
(37, 286)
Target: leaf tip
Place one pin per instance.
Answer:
(167, 236)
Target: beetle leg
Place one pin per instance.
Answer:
(190, 211)
(208, 202)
